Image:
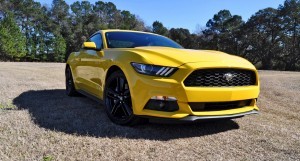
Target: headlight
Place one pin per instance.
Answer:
(153, 70)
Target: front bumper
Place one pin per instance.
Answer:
(196, 118)
(144, 87)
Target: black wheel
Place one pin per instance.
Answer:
(117, 99)
(70, 88)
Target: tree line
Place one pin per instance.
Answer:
(29, 31)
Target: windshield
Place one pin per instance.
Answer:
(136, 39)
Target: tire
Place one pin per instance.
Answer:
(117, 101)
(70, 87)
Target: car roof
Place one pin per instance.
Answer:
(119, 30)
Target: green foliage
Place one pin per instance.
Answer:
(289, 14)
(262, 35)
(59, 48)
(270, 38)
(12, 41)
(181, 36)
(222, 31)
(7, 106)
(48, 158)
(158, 28)
(50, 34)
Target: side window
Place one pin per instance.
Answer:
(97, 39)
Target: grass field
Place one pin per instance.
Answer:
(39, 122)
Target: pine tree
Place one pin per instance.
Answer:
(12, 41)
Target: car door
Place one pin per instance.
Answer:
(89, 70)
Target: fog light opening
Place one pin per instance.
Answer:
(162, 103)
(164, 98)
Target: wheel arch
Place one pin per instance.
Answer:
(67, 66)
(111, 70)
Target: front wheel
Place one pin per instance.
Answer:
(70, 87)
(117, 100)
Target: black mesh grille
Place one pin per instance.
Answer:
(220, 77)
(218, 106)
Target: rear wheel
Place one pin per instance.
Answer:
(70, 87)
(117, 99)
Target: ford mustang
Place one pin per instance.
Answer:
(138, 75)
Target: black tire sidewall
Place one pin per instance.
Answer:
(131, 118)
(70, 90)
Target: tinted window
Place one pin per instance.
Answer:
(97, 39)
(134, 39)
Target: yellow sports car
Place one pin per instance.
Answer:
(140, 75)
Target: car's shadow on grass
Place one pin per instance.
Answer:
(52, 109)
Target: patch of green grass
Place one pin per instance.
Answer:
(7, 105)
(48, 158)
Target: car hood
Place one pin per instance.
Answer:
(178, 57)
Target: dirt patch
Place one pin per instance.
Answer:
(43, 123)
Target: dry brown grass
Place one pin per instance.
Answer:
(38, 121)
